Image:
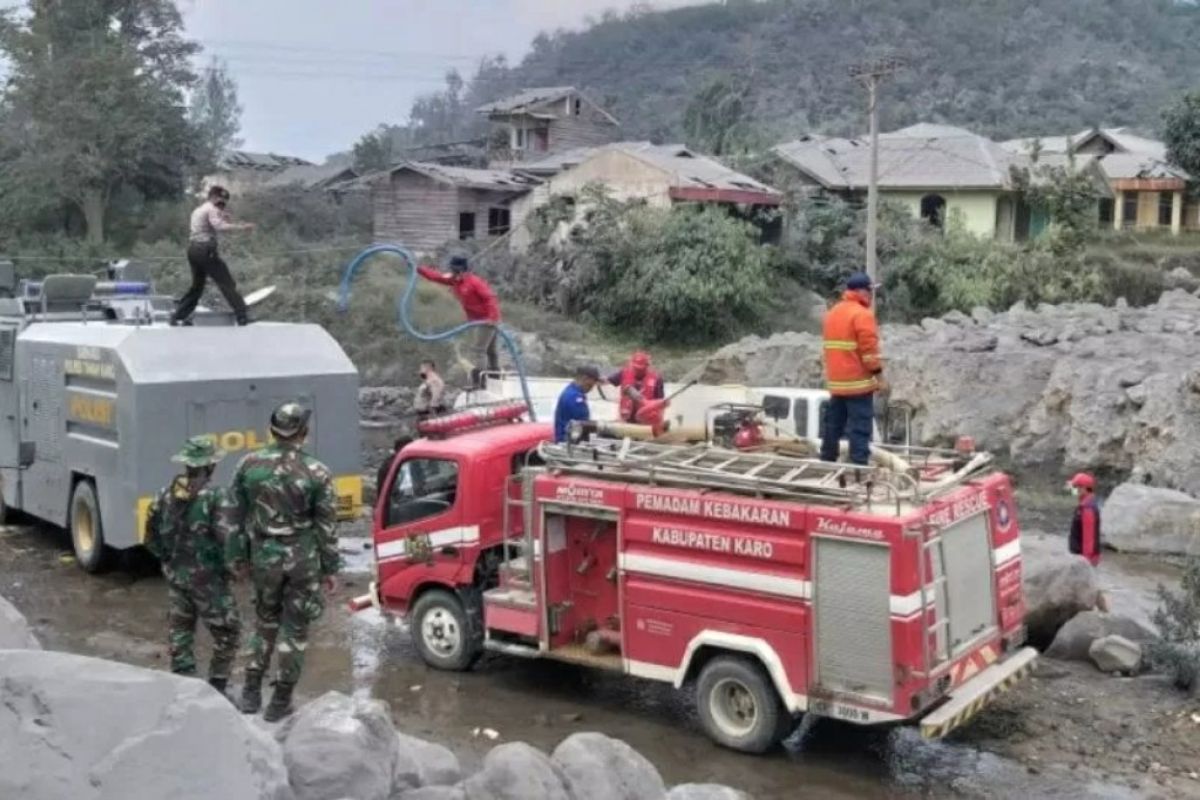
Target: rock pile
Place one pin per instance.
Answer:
(174, 737)
(1069, 387)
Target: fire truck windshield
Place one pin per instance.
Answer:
(423, 488)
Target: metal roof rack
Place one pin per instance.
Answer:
(762, 474)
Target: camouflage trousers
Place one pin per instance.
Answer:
(216, 607)
(287, 598)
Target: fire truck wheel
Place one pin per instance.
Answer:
(87, 531)
(738, 705)
(442, 633)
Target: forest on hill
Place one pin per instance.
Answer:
(1001, 67)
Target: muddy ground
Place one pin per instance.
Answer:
(1069, 733)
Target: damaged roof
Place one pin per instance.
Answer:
(1134, 157)
(494, 180)
(918, 157)
(532, 102)
(268, 162)
(311, 176)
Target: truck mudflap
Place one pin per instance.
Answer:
(971, 697)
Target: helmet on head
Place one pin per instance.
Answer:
(640, 360)
(198, 451)
(1083, 480)
(289, 420)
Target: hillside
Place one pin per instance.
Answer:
(1002, 67)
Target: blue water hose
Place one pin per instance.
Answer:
(404, 305)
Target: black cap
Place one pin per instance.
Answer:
(459, 264)
(588, 371)
(859, 280)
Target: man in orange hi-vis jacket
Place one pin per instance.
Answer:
(853, 371)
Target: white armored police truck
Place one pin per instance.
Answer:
(98, 390)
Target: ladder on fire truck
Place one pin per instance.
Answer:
(760, 474)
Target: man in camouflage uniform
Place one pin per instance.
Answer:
(287, 539)
(187, 528)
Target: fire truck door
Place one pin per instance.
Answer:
(592, 576)
(852, 611)
(422, 514)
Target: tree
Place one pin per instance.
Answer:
(374, 152)
(1181, 132)
(1067, 194)
(717, 120)
(215, 116)
(97, 91)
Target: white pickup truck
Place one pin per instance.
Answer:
(804, 408)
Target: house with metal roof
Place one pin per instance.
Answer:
(241, 170)
(536, 123)
(939, 172)
(424, 205)
(662, 176)
(1148, 192)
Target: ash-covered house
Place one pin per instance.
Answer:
(423, 206)
(240, 171)
(661, 176)
(535, 123)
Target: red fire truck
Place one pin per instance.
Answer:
(775, 586)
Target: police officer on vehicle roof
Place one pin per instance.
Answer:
(287, 540)
(209, 219)
(187, 527)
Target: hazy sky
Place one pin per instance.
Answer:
(314, 75)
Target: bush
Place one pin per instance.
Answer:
(1177, 651)
(686, 274)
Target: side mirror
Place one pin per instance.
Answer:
(26, 454)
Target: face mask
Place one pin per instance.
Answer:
(1074, 490)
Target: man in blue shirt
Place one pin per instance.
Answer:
(572, 403)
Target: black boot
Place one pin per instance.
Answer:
(252, 693)
(281, 703)
(220, 684)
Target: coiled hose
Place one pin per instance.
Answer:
(404, 304)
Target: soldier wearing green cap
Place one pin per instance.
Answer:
(187, 529)
(287, 539)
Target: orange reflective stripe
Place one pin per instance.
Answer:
(841, 345)
(867, 384)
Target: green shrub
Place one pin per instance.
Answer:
(1177, 650)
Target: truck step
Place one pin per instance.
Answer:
(510, 597)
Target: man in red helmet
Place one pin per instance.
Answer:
(638, 383)
(1085, 527)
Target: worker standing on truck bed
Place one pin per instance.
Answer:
(1085, 525)
(479, 303)
(853, 371)
(204, 259)
(288, 538)
(186, 530)
(638, 383)
(572, 403)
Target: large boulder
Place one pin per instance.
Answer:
(1074, 639)
(340, 746)
(602, 768)
(434, 793)
(517, 771)
(1057, 586)
(421, 763)
(1145, 519)
(15, 633)
(1116, 389)
(79, 727)
(1116, 654)
(705, 791)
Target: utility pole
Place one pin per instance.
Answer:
(870, 74)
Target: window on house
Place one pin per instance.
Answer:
(933, 210)
(1129, 204)
(1165, 201)
(540, 141)
(578, 106)
(520, 139)
(1107, 209)
(499, 221)
(466, 225)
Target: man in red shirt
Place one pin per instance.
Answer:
(478, 302)
(1085, 526)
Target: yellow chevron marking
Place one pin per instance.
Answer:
(989, 655)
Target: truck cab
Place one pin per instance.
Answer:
(439, 529)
